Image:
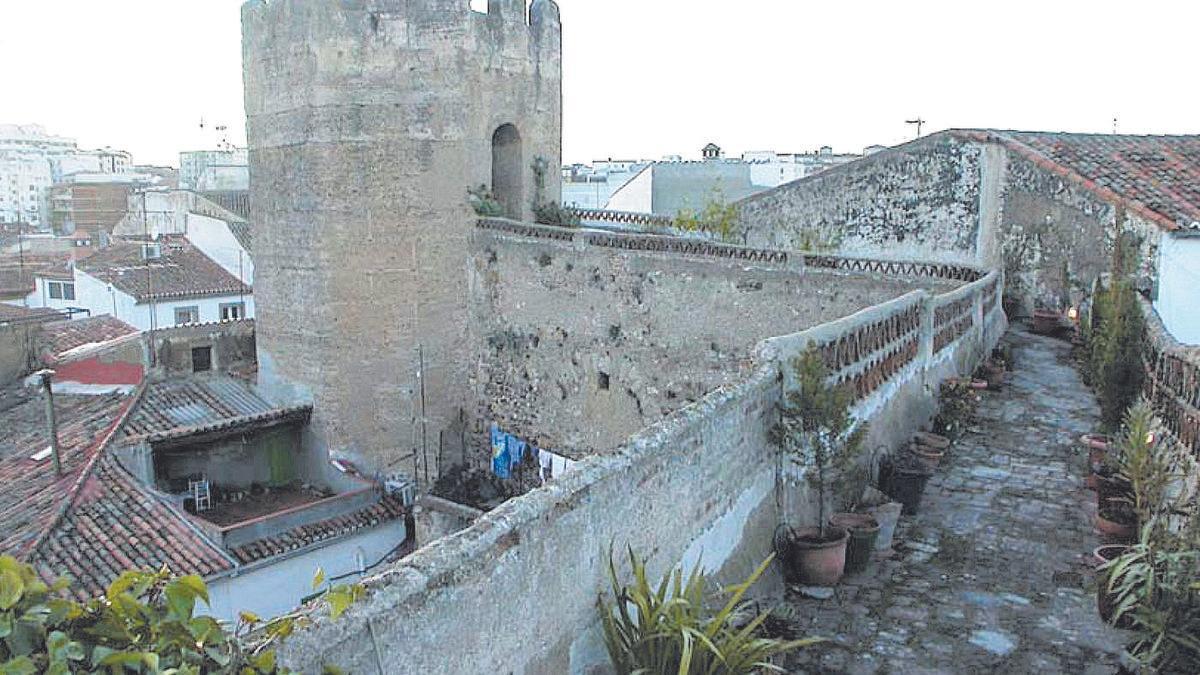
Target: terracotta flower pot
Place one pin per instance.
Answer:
(1115, 531)
(1097, 448)
(1106, 602)
(1046, 321)
(818, 561)
(864, 530)
(994, 375)
(932, 440)
(929, 457)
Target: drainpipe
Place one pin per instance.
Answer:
(46, 375)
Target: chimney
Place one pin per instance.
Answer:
(47, 375)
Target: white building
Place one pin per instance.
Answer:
(31, 160)
(149, 285)
(1178, 298)
(215, 170)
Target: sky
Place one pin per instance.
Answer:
(649, 78)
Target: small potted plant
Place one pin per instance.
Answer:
(956, 406)
(816, 433)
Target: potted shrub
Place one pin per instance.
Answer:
(1133, 484)
(1106, 600)
(671, 628)
(817, 433)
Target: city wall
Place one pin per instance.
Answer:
(697, 485)
(584, 338)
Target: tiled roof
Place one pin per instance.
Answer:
(62, 336)
(1158, 176)
(16, 273)
(186, 406)
(116, 524)
(31, 495)
(23, 314)
(387, 509)
(182, 271)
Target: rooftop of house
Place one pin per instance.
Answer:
(32, 495)
(19, 314)
(188, 406)
(182, 271)
(1158, 175)
(17, 272)
(60, 337)
(385, 510)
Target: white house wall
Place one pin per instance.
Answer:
(1178, 301)
(278, 588)
(98, 297)
(213, 238)
(636, 196)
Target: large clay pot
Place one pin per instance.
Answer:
(818, 561)
(1097, 449)
(1046, 322)
(929, 458)
(1106, 602)
(1115, 531)
(864, 530)
(932, 440)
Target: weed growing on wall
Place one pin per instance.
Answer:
(545, 211)
(717, 217)
(484, 202)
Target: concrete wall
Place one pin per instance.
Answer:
(699, 484)
(436, 518)
(367, 123)
(18, 349)
(232, 344)
(579, 346)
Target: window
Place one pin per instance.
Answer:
(187, 315)
(61, 290)
(232, 311)
(201, 359)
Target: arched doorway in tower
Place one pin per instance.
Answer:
(507, 170)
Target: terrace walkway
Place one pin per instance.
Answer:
(994, 574)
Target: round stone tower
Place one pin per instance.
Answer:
(368, 120)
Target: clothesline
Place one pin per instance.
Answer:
(508, 451)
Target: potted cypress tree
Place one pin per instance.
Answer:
(816, 432)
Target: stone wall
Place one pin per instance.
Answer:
(919, 201)
(367, 123)
(18, 349)
(698, 485)
(960, 196)
(1172, 382)
(232, 345)
(583, 342)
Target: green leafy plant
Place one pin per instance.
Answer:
(545, 211)
(669, 628)
(717, 217)
(145, 622)
(484, 202)
(1114, 338)
(816, 429)
(1156, 583)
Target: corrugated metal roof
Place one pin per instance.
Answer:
(196, 404)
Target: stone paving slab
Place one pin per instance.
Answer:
(994, 574)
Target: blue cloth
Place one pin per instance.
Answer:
(501, 465)
(516, 452)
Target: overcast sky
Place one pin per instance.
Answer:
(646, 78)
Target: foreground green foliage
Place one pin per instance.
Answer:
(669, 630)
(144, 623)
(817, 431)
(1156, 582)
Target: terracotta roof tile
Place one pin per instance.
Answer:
(181, 272)
(1158, 176)
(192, 405)
(386, 510)
(63, 336)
